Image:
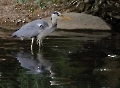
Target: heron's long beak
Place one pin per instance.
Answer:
(65, 17)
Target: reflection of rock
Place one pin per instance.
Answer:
(82, 21)
(35, 65)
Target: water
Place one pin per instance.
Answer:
(69, 60)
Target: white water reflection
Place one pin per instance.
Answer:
(112, 56)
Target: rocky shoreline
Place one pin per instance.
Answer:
(78, 21)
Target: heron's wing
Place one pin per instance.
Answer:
(31, 29)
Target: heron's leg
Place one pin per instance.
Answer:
(40, 45)
(41, 42)
(32, 44)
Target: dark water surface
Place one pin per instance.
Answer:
(70, 60)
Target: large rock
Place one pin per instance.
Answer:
(81, 21)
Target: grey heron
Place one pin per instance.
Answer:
(39, 28)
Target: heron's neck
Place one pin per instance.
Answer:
(54, 23)
(48, 30)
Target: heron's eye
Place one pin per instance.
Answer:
(56, 13)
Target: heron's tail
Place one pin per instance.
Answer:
(13, 35)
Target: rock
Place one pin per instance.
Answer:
(81, 21)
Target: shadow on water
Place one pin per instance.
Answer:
(70, 60)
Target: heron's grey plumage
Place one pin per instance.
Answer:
(47, 31)
(31, 29)
(38, 28)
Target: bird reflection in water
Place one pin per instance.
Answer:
(36, 64)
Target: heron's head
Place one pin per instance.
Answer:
(57, 15)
